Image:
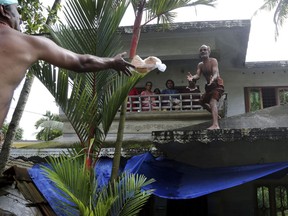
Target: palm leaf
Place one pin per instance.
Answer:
(78, 185)
(280, 14)
(91, 28)
(115, 97)
(131, 196)
(163, 9)
(52, 124)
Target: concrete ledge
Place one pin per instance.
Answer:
(219, 136)
(224, 147)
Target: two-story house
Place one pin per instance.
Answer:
(247, 137)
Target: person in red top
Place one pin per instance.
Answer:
(214, 88)
(133, 92)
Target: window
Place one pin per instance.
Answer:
(272, 200)
(262, 97)
(283, 95)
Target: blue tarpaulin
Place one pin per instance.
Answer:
(174, 180)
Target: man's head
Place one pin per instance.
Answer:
(204, 51)
(9, 13)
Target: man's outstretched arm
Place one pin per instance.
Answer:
(50, 52)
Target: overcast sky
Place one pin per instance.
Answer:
(261, 47)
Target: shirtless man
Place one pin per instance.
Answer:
(19, 51)
(214, 88)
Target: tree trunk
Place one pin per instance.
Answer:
(119, 141)
(122, 118)
(5, 151)
(14, 124)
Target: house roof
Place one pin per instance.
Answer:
(268, 64)
(228, 40)
(23, 182)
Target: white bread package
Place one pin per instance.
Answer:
(148, 64)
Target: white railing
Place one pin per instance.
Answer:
(169, 102)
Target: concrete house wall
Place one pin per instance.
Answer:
(178, 47)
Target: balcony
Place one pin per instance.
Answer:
(156, 113)
(171, 103)
(162, 112)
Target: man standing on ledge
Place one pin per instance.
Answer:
(19, 51)
(214, 88)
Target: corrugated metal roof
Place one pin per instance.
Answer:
(25, 185)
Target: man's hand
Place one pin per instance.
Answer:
(211, 80)
(120, 65)
(190, 77)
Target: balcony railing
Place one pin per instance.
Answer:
(170, 102)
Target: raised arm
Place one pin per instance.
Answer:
(45, 49)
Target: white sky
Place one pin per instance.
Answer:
(261, 47)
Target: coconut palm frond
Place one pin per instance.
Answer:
(210, 3)
(131, 197)
(115, 97)
(52, 124)
(76, 182)
(163, 9)
(91, 28)
(78, 186)
(280, 13)
(268, 5)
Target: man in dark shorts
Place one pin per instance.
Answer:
(214, 88)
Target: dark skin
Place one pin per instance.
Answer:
(19, 51)
(209, 69)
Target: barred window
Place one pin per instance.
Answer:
(262, 97)
(272, 200)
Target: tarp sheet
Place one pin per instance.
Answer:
(174, 180)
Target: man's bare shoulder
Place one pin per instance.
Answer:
(213, 60)
(9, 36)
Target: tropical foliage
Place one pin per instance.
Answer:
(51, 127)
(34, 16)
(90, 102)
(19, 131)
(80, 186)
(280, 13)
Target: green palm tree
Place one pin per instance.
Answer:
(280, 14)
(162, 10)
(90, 102)
(51, 127)
(79, 184)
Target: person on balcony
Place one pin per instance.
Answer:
(157, 91)
(147, 99)
(170, 89)
(131, 100)
(214, 88)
